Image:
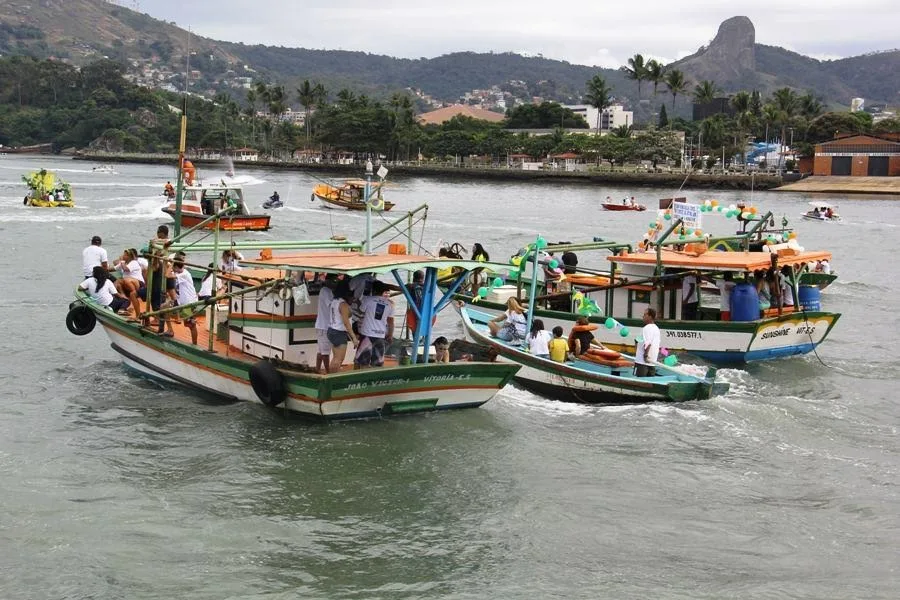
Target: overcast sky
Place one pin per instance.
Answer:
(589, 33)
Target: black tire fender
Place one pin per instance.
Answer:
(268, 383)
(80, 320)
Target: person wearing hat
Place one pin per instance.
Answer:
(94, 256)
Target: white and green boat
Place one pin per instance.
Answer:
(258, 343)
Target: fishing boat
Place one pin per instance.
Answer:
(654, 279)
(595, 378)
(257, 340)
(46, 191)
(351, 195)
(201, 201)
(822, 211)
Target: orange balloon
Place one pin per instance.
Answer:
(714, 202)
(698, 232)
(792, 236)
(752, 210)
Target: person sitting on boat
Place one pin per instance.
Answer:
(92, 256)
(824, 266)
(169, 190)
(539, 340)
(186, 294)
(60, 195)
(275, 198)
(416, 290)
(509, 326)
(648, 347)
(581, 339)
(762, 291)
(815, 212)
(625, 201)
(230, 260)
(441, 350)
(479, 254)
(558, 347)
(829, 212)
(131, 282)
(340, 330)
(632, 201)
(102, 290)
(785, 278)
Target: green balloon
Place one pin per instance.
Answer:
(610, 323)
(497, 281)
(652, 225)
(540, 243)
(681, 237)
(720, 208)
(624, 332)
(553, 263)
(482, 292)
(670, 361)
(667, 216)
(785, 236)
(690, 232)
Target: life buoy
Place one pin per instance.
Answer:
(607, 354)
(377, 204)
(285, 293)
(588, 327)
(267, 383)
(80, 320)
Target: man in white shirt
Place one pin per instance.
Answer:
(93, 256)
(186, 294)
(323, 318)
(690, 297)
(648, 348)
(376, 327)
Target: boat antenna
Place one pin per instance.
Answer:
(182, 140)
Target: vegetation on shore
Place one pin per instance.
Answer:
(95, 107)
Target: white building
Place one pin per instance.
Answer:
(612, 116)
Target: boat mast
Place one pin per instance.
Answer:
(179, 183)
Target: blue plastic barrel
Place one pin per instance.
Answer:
(744, 302)
(810, 298)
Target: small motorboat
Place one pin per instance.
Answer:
(821, 211)
(106, 169)
(625, 205)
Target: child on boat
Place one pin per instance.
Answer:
(558, 346)
(441, 350)
(539, 340)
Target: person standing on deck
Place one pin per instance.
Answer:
(725, 285)
(323, 318)
(340, 330)
(648, 348)
(690, 297)
(376, 327)
(93, 256)
(187, 294)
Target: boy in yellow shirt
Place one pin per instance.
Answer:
(558, 345)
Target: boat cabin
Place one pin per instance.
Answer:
(213, 198)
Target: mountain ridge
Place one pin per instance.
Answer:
(81, 30)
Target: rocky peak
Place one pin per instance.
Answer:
(728, 58)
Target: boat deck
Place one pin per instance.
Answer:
(183, 335)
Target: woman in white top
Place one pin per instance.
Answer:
(102, 290)
(509, 326)
(132, 279)
(206, 284)
(340, 330)
(539, 340)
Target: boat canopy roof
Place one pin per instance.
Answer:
(354, 263)
(721, 261)
(214, 187)
(820, 205)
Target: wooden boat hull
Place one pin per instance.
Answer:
(720, 342)
(329, 202)
(610, 206)
(191, 218)
(346, 395)
(586, 382)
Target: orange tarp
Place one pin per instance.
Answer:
(721, 261)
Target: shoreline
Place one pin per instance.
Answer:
(657, 180)
(819, 184)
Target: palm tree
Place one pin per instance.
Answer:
(636, 70)
(676, 83)
(309, 96)
(787, 102)
(598, 95)
(743, 118)
(810, 106)
(706, 91)
(622, 131)
(346, 98)
(655, 73)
